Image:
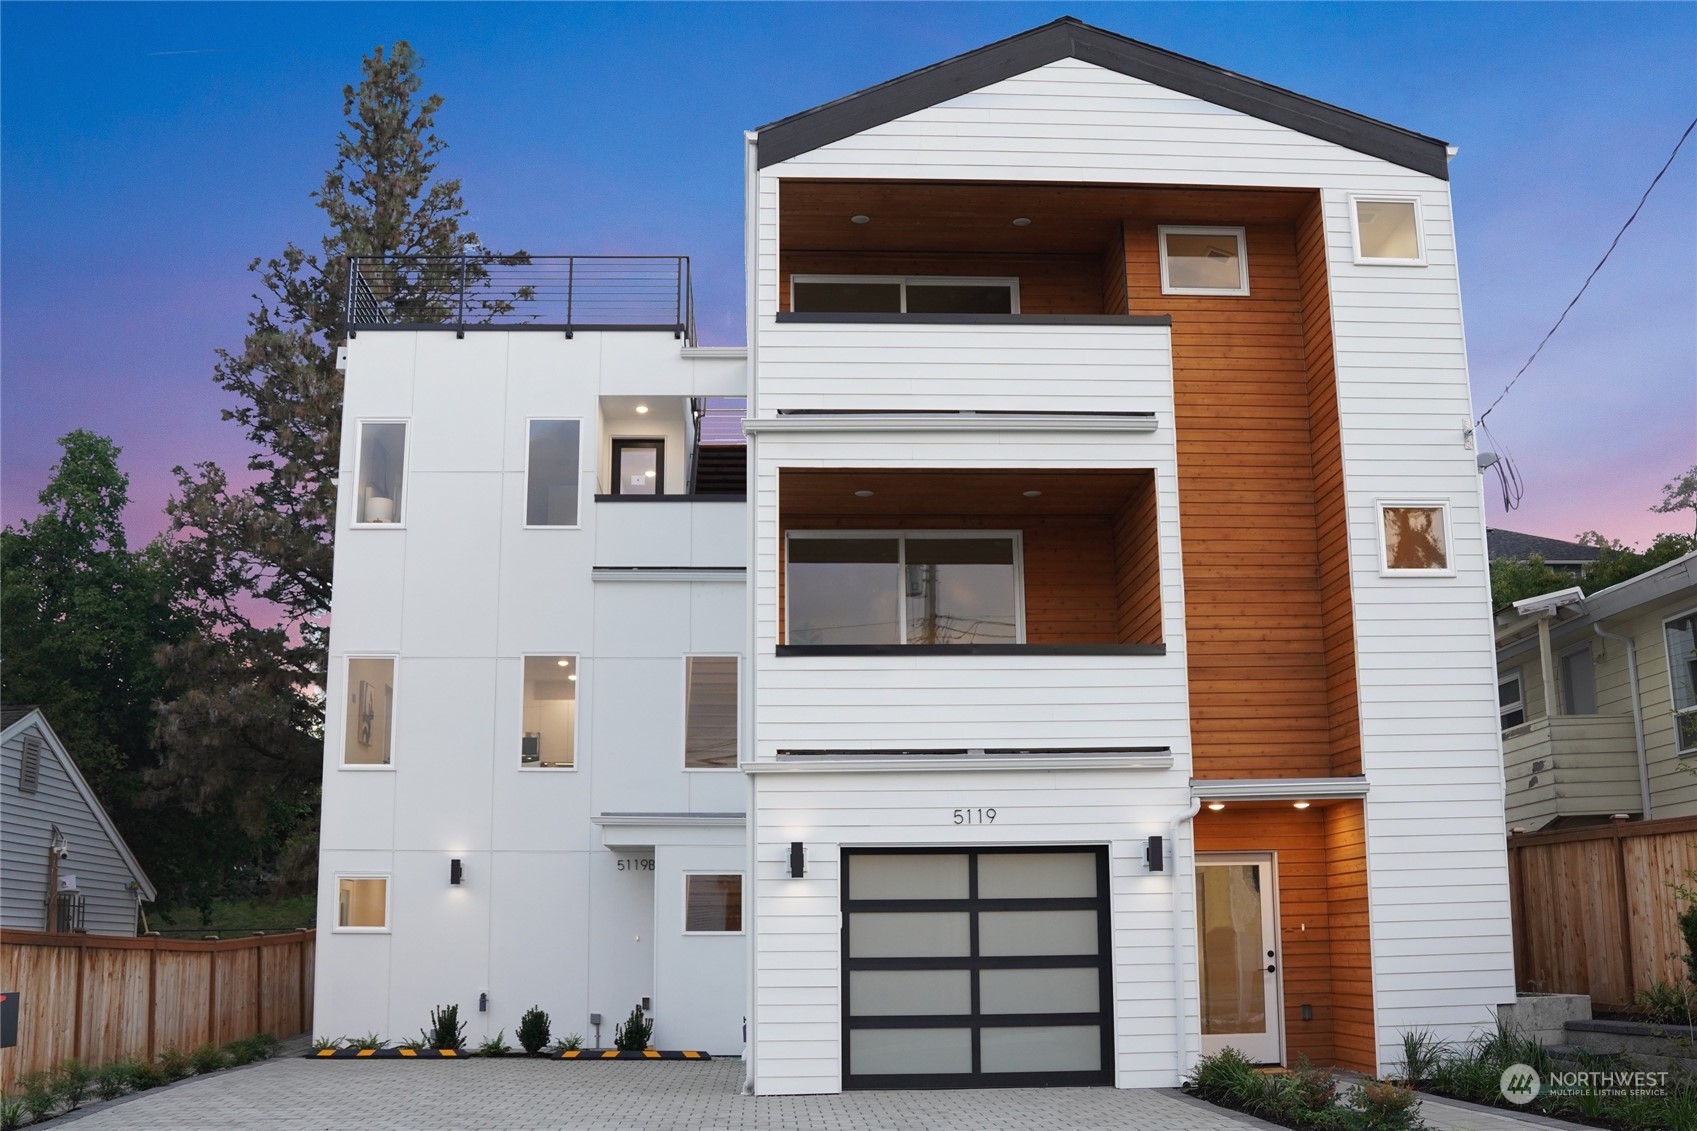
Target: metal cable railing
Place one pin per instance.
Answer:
(538, 292)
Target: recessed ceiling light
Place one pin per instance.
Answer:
(1216, 806)
(860, 218)
(641, 408)
(863, 494)
(1022, 222)
(1302, 804)
(564, 663)
(1032, 494)
(572, 677)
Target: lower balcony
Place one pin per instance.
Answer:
(1570, 769)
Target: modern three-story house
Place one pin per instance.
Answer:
(1092, 669)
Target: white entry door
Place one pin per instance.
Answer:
(1237, 933)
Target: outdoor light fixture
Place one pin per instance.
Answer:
(1022, 222)
(1032, 494)
(483, 1002)
(641, 408)
(456, 872)
(863, 494)
(1152, 854)
(1302, 804)
(798, 860)
(860, 218)
(1216, 806)
(572, 677)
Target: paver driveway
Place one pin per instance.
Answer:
(293, 1094)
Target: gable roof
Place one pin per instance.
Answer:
(1518, 546)
(16, 719)
(1069, 38)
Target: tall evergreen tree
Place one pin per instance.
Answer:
(243, 731)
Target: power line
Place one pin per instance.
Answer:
(1615, 243)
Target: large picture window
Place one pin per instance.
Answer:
(899, 294)
(551, 473)
(1681, 633)
(710, 712)
(368, 736)
(382, 459)
(902, 587)
(712, 903)
(549, 741)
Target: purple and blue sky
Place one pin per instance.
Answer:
(148, 152)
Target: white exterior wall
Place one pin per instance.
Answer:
(461, 592)
(1425, 652)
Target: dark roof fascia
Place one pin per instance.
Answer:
(1071, 38)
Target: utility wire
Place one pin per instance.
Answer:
(1593, 273)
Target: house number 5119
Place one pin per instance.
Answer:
(975, 816)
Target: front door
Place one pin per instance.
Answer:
(1237, 939)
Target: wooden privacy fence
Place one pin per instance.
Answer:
(101, 998)
(1594, 909)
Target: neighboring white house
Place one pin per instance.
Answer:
(1109, 614)
(54, 835)
(1598, 699)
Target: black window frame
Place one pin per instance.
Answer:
(620, 443)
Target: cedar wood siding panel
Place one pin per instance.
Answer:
(1353, 1030)
(1138, 562)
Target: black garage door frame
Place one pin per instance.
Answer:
(1101, 961)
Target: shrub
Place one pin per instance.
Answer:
(111, 1080)
(1666, 1003)
(369, 1041)
(143, 1075)
(1379, 1105)
(327, 1044)
(39, 1098)
(71, 1083)
(11, 1114)
(208, 1058)
(567, 1044)
(633, 1033)
(1688, 928)
(494, 1046)
(175, 1064)
(446, 1030)
(241, 1051)
(532, 1032)
(266, 1045)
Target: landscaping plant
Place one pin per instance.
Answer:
(327, 1044)
(71, 1083)
(143, 1075)
(567, 1044)
(241, 1051)
(369, 1041)
(111, 1080)
(208, 1058)
(494, 1046)
(633, 1033)
(38, 1096)
(175, 1064)
(446, 1030)
(1421, 1055)
(1666, 1003)
(1305, 1098)
(532, 1032)
(11, 1114)
(415, 1044)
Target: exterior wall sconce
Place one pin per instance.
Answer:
(1152, 855)
(798, 860)
(456, 872)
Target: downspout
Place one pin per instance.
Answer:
(1177, 819)
(1637, 713)
(751, 813)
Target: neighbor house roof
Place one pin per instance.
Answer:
(1517, 546)
(10, 715)
(1069, 38)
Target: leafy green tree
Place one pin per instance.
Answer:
(1680, 494)
(243, 729)
(1515, 580)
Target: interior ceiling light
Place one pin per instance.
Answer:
(1216, 806)
(1032, 494)
(572, 677)
(564, 663)
(641, 408)
(860, 218)
(863, 494)
(1302, 804)
(1022, 222)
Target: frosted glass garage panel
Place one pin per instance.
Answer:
(1041, 1048)
(920, 876)
(911, 934)
(1037, 875)
(908, 1052)
(1036, 932)
(1076, 989)
(909, 993)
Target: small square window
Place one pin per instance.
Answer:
(382, 472)
(369, 731)
(710, 712)
(552, 473)
(1387, 231)
(362, 903)
(1203, 261)
(1414, 538)
(549, 741)
(712, 903)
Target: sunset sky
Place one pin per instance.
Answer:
(151, 151)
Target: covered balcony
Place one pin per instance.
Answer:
(1570, 769)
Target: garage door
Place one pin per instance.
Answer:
(976, 968)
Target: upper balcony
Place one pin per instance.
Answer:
(1570, 766)
(562, 293)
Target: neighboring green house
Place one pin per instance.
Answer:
(1599, 701)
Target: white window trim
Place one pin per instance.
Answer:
(394, 719)
(1379, 508)
(689, 769)
(525, 498)
(1387, 198)
(742, 902)
(388, 904)
(901, 537)
(904, 281)
(1674, 710)
(577, 711)
(406, 471)
(1164, 230)
(1520, 699)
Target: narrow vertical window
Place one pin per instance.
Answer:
(362, 903)
(382, 471)
(551, 473)
(369, 735)
(549, 741)
(1387, 231)
(1681, 634)
(1511, 704)
(710, 712)
(712, 904)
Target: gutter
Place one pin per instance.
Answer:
(1179, 818)
(1637, 713)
